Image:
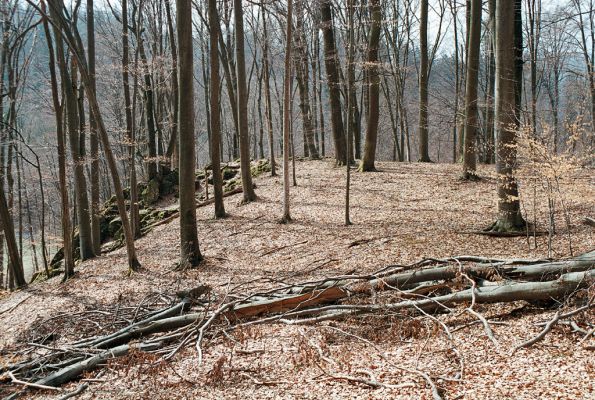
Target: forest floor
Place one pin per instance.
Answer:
(402, 214)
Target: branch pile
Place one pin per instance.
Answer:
(423, 288)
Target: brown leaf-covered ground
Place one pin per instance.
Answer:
(402, 214)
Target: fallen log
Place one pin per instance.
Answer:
(317, 303)
(509, 292)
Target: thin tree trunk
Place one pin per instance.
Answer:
(130, 134)
(215, 110)
(64, 209)
(82, 209)
(287, 112)
(267, 89)
(472, 81)
(331, 63)
(424, 155)
(242, 100)
(372, 68)
(93, 140)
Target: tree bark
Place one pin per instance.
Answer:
(215, 110)
(82, 201)
(372, 67)
(331, 63)
(472, 81)
(287, 111)
(190, 255)
(424, 155)
(130, 134)
(242, 100)
(93, 140)
(509, 213)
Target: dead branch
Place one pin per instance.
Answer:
(541, 334)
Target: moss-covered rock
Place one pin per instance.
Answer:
(259, 167)
(150, 194)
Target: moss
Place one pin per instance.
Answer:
(151, 193)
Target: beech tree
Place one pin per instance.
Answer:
(471, 116)
(215, 109)
(509, 212)
(190, 255)
(242, 103)
(424, 155)
(331, 62)
(373, 76)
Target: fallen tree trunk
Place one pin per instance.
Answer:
(528, 291)
(314, 302)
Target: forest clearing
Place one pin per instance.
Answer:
(401, 215)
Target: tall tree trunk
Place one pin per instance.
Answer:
(61, 147)
(374, 88)
(149, 98)
(130, 134)
(242, 100)
(287, 112)
(82, 202)
(172, 147)
(215, 110)
(350, 103)
(302, 77)
(190, 255)
(509, 213)
(93, 140)
(424, 155)
(267, 89)
(15, 266)
(76, 47)
(490, 139)
(331, 62)
(472, 81)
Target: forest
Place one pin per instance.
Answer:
(303, 199)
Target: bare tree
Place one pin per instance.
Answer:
(509, 213)
(372, 67)
(190, 255)
(242, 101)
(472, 80)
(215, 109)
(424, 155)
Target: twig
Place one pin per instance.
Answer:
(76, 392)
(266, 253)
(9, 309)
(541, 334)
(29, 384)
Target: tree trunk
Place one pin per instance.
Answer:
(424, 155)
(302, 77)
(82, 202)
(172, 148)
(215, 110)
(267, 89)
(287, 112)
(242, 100)
(190, 255)
(93, 140)
(61, 147)
(130, 134)
(331, 63)
(509, 213)
(374, 88)
(15, 266)
(472, 81)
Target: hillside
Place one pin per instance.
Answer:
(401, 215)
